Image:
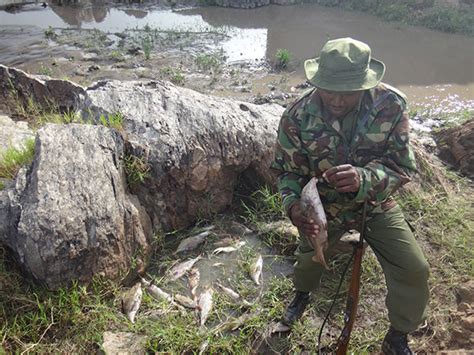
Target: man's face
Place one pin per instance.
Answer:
(339, 103)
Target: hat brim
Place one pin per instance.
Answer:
(371, 79)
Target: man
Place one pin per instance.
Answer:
(351, 132)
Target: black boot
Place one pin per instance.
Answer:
(296, 308)
(396, 343)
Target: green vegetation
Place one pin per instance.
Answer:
(174, 75)
(137, 169)
(283, 58)
(443, 18)
(44, 70)
(49, 33)
(112, 120)
(147, 46)
(206, 62)
(13, 159)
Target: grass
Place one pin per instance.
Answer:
(112, 120)
(13, 159)
(442, 18)
(136, 169)
(208, 62)
(175, 75)
(283, 58)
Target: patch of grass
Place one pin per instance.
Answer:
(174, 75)
(112, 120)
(2, 185)
(283, 58)
(13, 159)
(264, 205)
(207, 62)
(44, 70)
(49, 33)
(147, 46)
(137, 169)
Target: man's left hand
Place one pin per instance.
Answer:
(344, 178)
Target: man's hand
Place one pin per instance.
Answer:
(305, 225)
(344, 178)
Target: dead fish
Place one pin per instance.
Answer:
(156, 292)
(232, 323)
(205, 304)
(313, 208)
(185, 301)
(256, 270)
(193, 280)
(192, 243)
(279, 328)
(229, 249)
(229, 292)
(131, 301)
(180, 269)
(203, 347)
(218, 264)
(224, 242)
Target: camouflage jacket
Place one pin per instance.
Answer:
(310, 142)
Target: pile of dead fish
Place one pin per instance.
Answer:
(202, 302)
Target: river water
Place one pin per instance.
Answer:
(431, 67)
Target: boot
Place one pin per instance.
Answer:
(395, 343)
(296, 308)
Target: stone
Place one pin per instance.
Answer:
(13, 134)
(123, 343)
(197, 146)
(71, 215)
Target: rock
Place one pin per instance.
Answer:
(196, 145)
(123, 343)
(13, 134)
(456, 147)
(71, 215)
(462, 334)
(17, 87)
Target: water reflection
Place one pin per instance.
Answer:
(414, 56)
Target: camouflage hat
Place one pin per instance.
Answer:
(345, 64)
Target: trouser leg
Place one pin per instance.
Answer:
(406, 269)
(307, 274)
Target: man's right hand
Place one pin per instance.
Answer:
(305, 225)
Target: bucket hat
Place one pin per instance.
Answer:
(345, 64)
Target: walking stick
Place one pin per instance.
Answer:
(353, 293)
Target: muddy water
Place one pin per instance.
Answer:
(429, 66)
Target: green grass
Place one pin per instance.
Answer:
(283, 58)
(137, 169)
(206, 62)
(13, 159)
(112, 120)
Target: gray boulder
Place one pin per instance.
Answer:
(71, 216)
(197, 146)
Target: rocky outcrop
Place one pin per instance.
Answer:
(456, 147)
(13, 134)
(70, 214)
(197, 146)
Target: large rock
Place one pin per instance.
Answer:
(456, 147)
(70, 214)
(196, 145)
(13, 134)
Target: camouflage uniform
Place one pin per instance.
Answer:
(374, 139)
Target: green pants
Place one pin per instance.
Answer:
(405, 268)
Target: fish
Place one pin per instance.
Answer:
(232, 323)
(180, 269)
(224, 242)
(156, 292)
(229, 292)
(313, 208)
(185, 301)
(228, 249)
(234, 295)
(205, 304)
(131, 301)
(256, 270)
(193, 280)
(192, 243)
